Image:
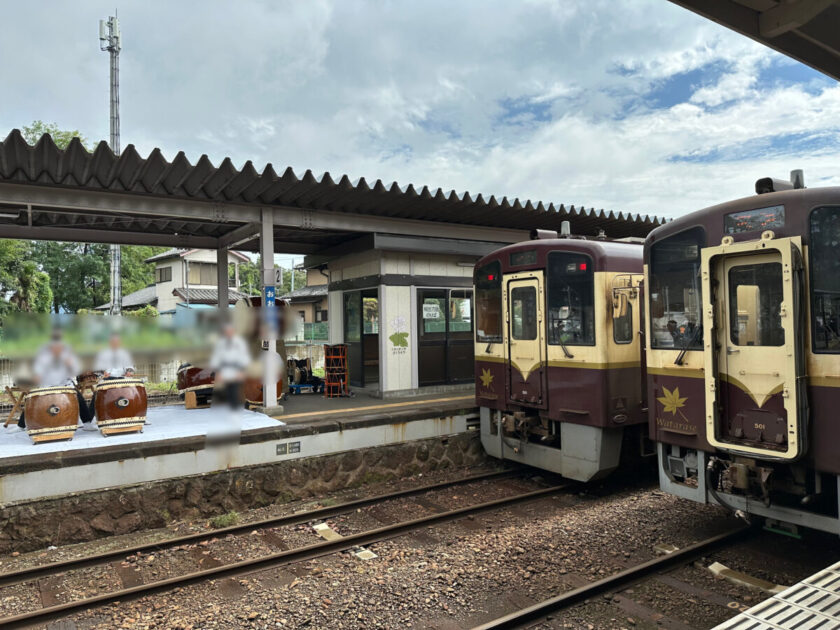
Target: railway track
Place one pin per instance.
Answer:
(530, 615)
(25, 575)
(270, 561)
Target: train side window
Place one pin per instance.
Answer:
(675, 298)
(488, 303)
(825, 279)
(623, 327)
(523, 313)
(571, 299)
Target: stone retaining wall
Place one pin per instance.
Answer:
(86, 516)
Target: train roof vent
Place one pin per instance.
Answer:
(771, 184)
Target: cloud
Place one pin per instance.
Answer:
(640, 107)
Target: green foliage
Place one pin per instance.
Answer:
(27, 287)
(78, 273)
(225, 520)
(250, 279)
(32, 133)
(146, 311)
(135, 273)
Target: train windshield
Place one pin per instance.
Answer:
(676, 320)
(488, 303)
(825, 279)
(571, 300)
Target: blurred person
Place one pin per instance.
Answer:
(55, 365)
(230, 359)
(114, 361)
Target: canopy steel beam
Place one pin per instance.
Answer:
(74, 200)
(86, 235)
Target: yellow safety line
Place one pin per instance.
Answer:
(371, 407)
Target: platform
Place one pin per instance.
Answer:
(180, 443)
(813, 603)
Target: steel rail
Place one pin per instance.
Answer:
(531, 614)
(31, 573)
(243, 567)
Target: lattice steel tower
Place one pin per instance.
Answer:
(110, 39)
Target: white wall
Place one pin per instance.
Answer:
(163, 290)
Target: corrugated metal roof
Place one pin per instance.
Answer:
(181, 252)
(146, 295)
(207, 296)
(45, 164)
(309, 293)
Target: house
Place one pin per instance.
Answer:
(308, 304)
(185, 277)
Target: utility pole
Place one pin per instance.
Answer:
(110, 39)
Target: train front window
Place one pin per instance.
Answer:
(675, 318)
(825, 279)
(755, 305)
(571, 300)
(488, 303)
(523, 313)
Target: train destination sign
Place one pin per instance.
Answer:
(754, 220)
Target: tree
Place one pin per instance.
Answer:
(250, 278)
(32, 133)
(78, 273)
(33, 294)
(137, 274)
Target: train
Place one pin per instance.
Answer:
(731, 316)
(558, 361)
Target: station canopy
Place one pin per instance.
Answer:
(807, 30)
(48, 193)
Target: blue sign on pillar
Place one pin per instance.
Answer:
(269, 293)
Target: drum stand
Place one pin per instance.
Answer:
(17, 401)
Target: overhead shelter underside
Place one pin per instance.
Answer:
(806, 30)
(73, 195)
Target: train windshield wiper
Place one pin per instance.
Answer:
(686, 344)
(568, 354)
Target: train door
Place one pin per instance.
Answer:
(756, 403)
(526, 338)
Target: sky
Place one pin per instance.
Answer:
(638, 106)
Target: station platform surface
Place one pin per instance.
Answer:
(180, 443)
(813, 603)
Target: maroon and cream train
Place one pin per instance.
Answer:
(558, 357)
(743, 353)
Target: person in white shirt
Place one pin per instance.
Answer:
(114, 361)
(229, 361)
(56, 365)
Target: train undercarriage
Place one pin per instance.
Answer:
(788, 496)
(575, 451)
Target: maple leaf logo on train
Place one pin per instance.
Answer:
(671, 401)
(486, 378)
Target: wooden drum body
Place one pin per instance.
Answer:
(253, 390)
(52, 413)
(120, 406)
